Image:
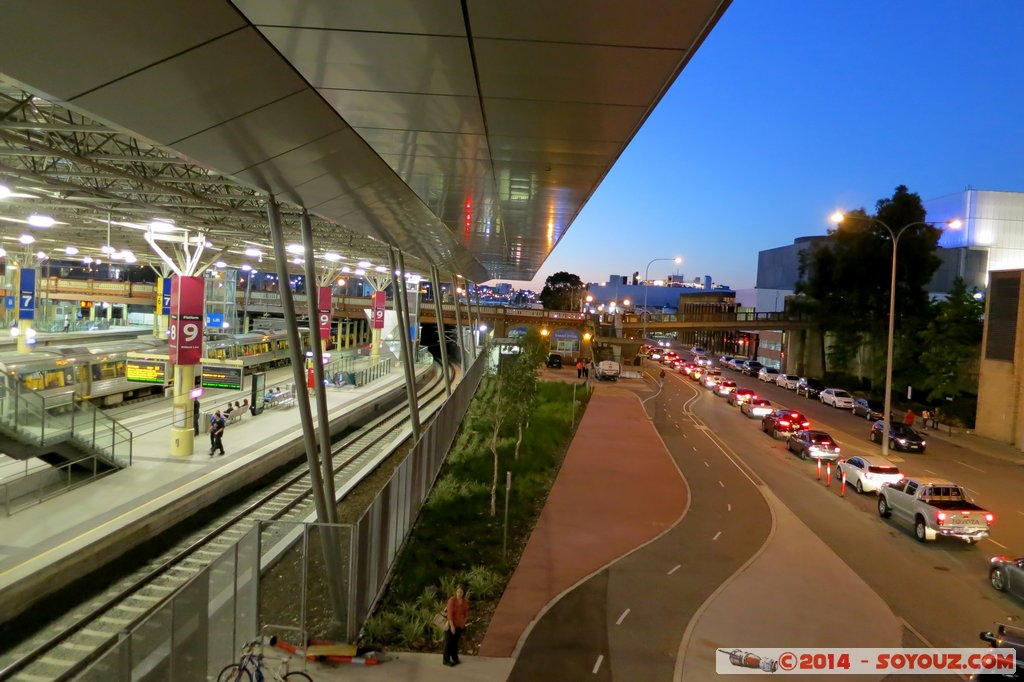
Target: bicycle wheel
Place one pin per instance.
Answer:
(234, 673)
(297, 675)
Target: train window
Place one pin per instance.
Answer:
(33, 382)
(81, 374)
(108, 370)
(217, 353)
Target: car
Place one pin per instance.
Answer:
(901, 436)
(872, 410)
(768, 374)
(696, 373)
(751, 368)
(783, 421)
(836, 397)
(712, 380)
(809, 388)
(741, 395)
(703, 360)
(816, 445)
(867, 473)
(1006, 574)
(554, 361)
(725, 387)
(725, 360)
(1005, 637)
(788, 381)
(655, 355)
(756, 407)
(697, 350)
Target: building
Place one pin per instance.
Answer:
(660, 295)
(1001, 375)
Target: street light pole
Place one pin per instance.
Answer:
(837, 218)
(647, 271)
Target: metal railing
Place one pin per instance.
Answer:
(42, 483)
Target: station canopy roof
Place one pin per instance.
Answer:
(467, 133)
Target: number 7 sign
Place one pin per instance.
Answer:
(186, 324)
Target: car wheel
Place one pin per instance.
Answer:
(872, 437)
(921, 531)
(867, 416)
(998, 578)
(803, 455)
(892, 444)
(883, 508)
(859, 487)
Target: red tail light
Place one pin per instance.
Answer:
(989, 518)
(783, 422)
(805, 424)
(941, 518)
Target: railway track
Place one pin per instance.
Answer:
(66, 646)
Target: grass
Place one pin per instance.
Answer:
(456, 541)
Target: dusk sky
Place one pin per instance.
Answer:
(792, 109)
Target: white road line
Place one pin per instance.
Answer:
(597, 665)
(707, 465)
(684, 435)
(674, 569)
(721, 484)
(996, 543)
(695, 448)
(969, 466)
(622, 617)
(717, 535)
(729, 507)
(931, 472)
(1021, 513)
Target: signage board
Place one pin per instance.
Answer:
(10, 302)
(27, 294)
(165, 296)
(145, 371)
(324, 312)
(379, 305)
(215, 320)
(186, 324)
(222, 376)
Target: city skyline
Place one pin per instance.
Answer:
(791, 110)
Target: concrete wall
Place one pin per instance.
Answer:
(1001, 382)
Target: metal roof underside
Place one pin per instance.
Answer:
(469, 134)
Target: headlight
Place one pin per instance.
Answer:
(902, 441)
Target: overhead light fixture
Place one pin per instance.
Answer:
(365, 264)
(5, 191)
(128, 256)
(253, 253)
(3, 252)
(41, 255)
(207, 245)
(346, 269)
(246, 267)
(87, 260)
(38, 220)
(298, 261)
(294, 248)
(70, 250)
(332, 257)
(26, 239)
(360, 271)
(107, 249)
(381, 268)
(220, 264)
(341, 281)
(162, 226)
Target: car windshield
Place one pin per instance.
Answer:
(839, 393)
(876, 469)
(821, 438)
(728, 383)
(792, 377)
(903, 430)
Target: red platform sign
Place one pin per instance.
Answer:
(324, 312)
(186, 328)
(379, 305)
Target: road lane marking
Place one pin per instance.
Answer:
(721, 484)
(684, 435)
(597, 665)
(931, 472)
(996, 543)
(717, 535)
(622, 617)
(729, 507)
(674, 569)
(695, 448)
(1021, 513)
(969, 466)
(707, 465)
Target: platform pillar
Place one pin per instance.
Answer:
(23, 345)
(435, 282)
(459, 337)
(182, 433)
(469, 319)
(408, 358)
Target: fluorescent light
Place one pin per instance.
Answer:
(332, 257)
(107, 249)
(70, 250)
(346, 269)
(41, 255)
(220, 264)
(87, 260)
(38, 220)
(294, 248)
(161, 225)
(381, 268)
(253, 253)
(5, 191)
(3, 252)
(26, 239)
(360, 271)
(246, 267)
(128, 256)
(365, 264)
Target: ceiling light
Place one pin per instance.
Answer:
(3, 252)
(70, 250)
(341, 281)
(294, 248)
(246, 267)
(365, 264)
(220, 264)
(346, 269)
(332, 257)
(41, 255)
(207, 245)
(115, 255)
(360, 271)
(26, 239)
(381, 268)
(5, 191)
(298, 261)
(162, 226)
(37, 220)
(87, 260)
(128, 256)
(253, 253)
(107, 248)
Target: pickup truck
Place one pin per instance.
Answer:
(935, 508)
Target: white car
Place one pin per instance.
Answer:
(767, 374)
(787, 381)
(867, 473)
(836, 397)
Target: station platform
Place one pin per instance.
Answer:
(9, 344)
(49, 545)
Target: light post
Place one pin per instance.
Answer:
(837, 218)
(647, 271)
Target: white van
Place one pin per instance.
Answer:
(608, 370)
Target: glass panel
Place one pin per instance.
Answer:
(113, 665)
(151, 646)
(247, 589)
(188, 660)
(221, 611)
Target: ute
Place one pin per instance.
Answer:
(934, 508)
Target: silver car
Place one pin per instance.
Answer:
(787, 381)
(1007, 575)
(836, 397)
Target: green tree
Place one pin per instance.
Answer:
(561, 291)
(952, 341)
(844, 280)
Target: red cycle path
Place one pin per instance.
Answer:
(618, 488)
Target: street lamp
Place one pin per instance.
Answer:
(647, 271)
(837, 218)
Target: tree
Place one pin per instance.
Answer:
(844, 280)
(951, 342)
(561, 291)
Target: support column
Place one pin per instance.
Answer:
(182, 433)
(316, 345)
(408, 361)
(435, 281)
(185, 348)
(458, 325)
(469, 320)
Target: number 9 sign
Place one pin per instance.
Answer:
(186, 324)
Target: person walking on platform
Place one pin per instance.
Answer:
(586, 370)
(195, 416)
(926, 416)
(217, 434)
(457, 611)
(579, 369)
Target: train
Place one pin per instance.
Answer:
(98, 371)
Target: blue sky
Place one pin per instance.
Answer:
(791, 109)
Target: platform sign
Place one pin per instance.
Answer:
(221, 376)
(379, 306)
(186, 324)
(215, 320)
(10, 302)
(165, 297)
(324, 312)
(27, 294)
(145, 371)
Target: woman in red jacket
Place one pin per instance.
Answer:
(457, 611)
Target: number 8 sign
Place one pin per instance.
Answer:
(186, 324)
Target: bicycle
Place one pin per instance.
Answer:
(251, 666)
